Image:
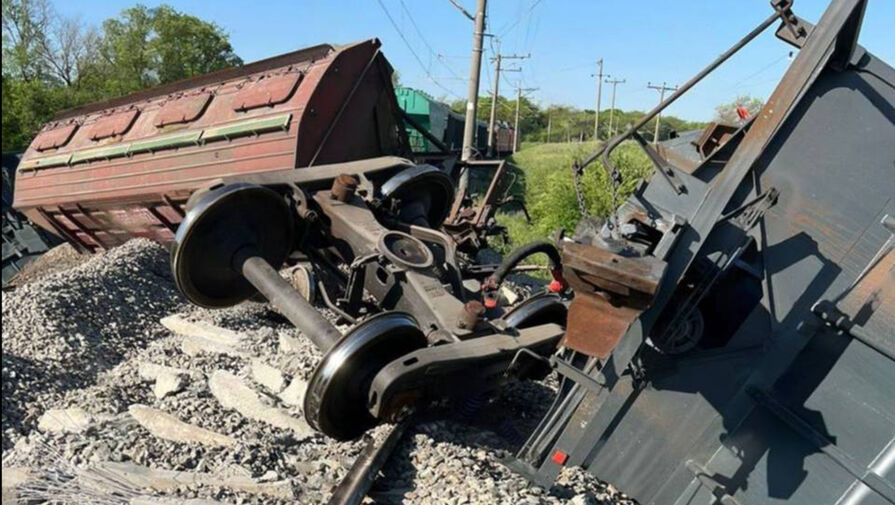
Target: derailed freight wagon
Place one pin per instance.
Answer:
(294, 162)
(732, 336)
(100, 174)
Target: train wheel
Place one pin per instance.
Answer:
(537, 310)
(420, 195)
(221, 223)
(337, 394)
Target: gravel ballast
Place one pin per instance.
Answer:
(90, 338)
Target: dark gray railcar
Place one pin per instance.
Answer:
(789, 394)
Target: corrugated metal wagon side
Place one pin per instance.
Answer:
(101, 174)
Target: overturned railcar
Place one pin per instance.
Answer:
(732, 335)
(103, 173)
(295, 162)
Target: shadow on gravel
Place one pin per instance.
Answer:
(62, 332)
(35, 377)
(461, 431)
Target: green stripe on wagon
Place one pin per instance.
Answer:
(46, 161)
(248, 127)
(165, 142)
(100, 153)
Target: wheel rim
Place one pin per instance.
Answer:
(537, 310)
(420, 195)
(223, 222)
(337, 394)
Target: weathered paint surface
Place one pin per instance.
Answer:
(103, 173)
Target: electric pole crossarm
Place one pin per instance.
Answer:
(456, 4)
(661, 89)
(614, 82)
(495, 96)
(683, 88)
(516, 136)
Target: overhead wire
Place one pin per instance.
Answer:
(413, 52)
(760, 71)
(506, 30)
(432, 52)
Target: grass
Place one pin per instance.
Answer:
(543, 179)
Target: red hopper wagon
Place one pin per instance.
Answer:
(103, 173)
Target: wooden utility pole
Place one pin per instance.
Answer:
(549, 124)
(495, 96)
(599, 75)
(661, 89)
(516, 126)
(614, 82)
(475, 70)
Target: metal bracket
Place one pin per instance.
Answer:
(830, 314)
(797, 31)
(575, 374)
(663, 168)
(704, 477)
(746, 215)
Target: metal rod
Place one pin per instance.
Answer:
(332, 306)
(424, 131)
(287, 300)
(683, 89)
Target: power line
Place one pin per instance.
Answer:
(519, 19)
(415, 56)
(456, 4)
(760, 71)
(426, 43)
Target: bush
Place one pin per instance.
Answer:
(544, 181)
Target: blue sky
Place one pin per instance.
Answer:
(643, 41)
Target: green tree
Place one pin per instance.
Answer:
(145, 47)
(52, 63)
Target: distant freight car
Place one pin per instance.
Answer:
(447, 125)
(22, 241)
(429, 113)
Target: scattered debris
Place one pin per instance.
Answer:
(294, 394)
(150, 372)
(267, 376)
(168, 384)
(71, 420)
(63, 332)
(234, 394)
(203, 330)
(431, 454)
(164, 425)
(13, 477)
(142, 477)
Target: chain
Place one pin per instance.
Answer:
(576, 178)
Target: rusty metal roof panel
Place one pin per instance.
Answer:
(319, 105)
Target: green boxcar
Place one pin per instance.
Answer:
(428, 112)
